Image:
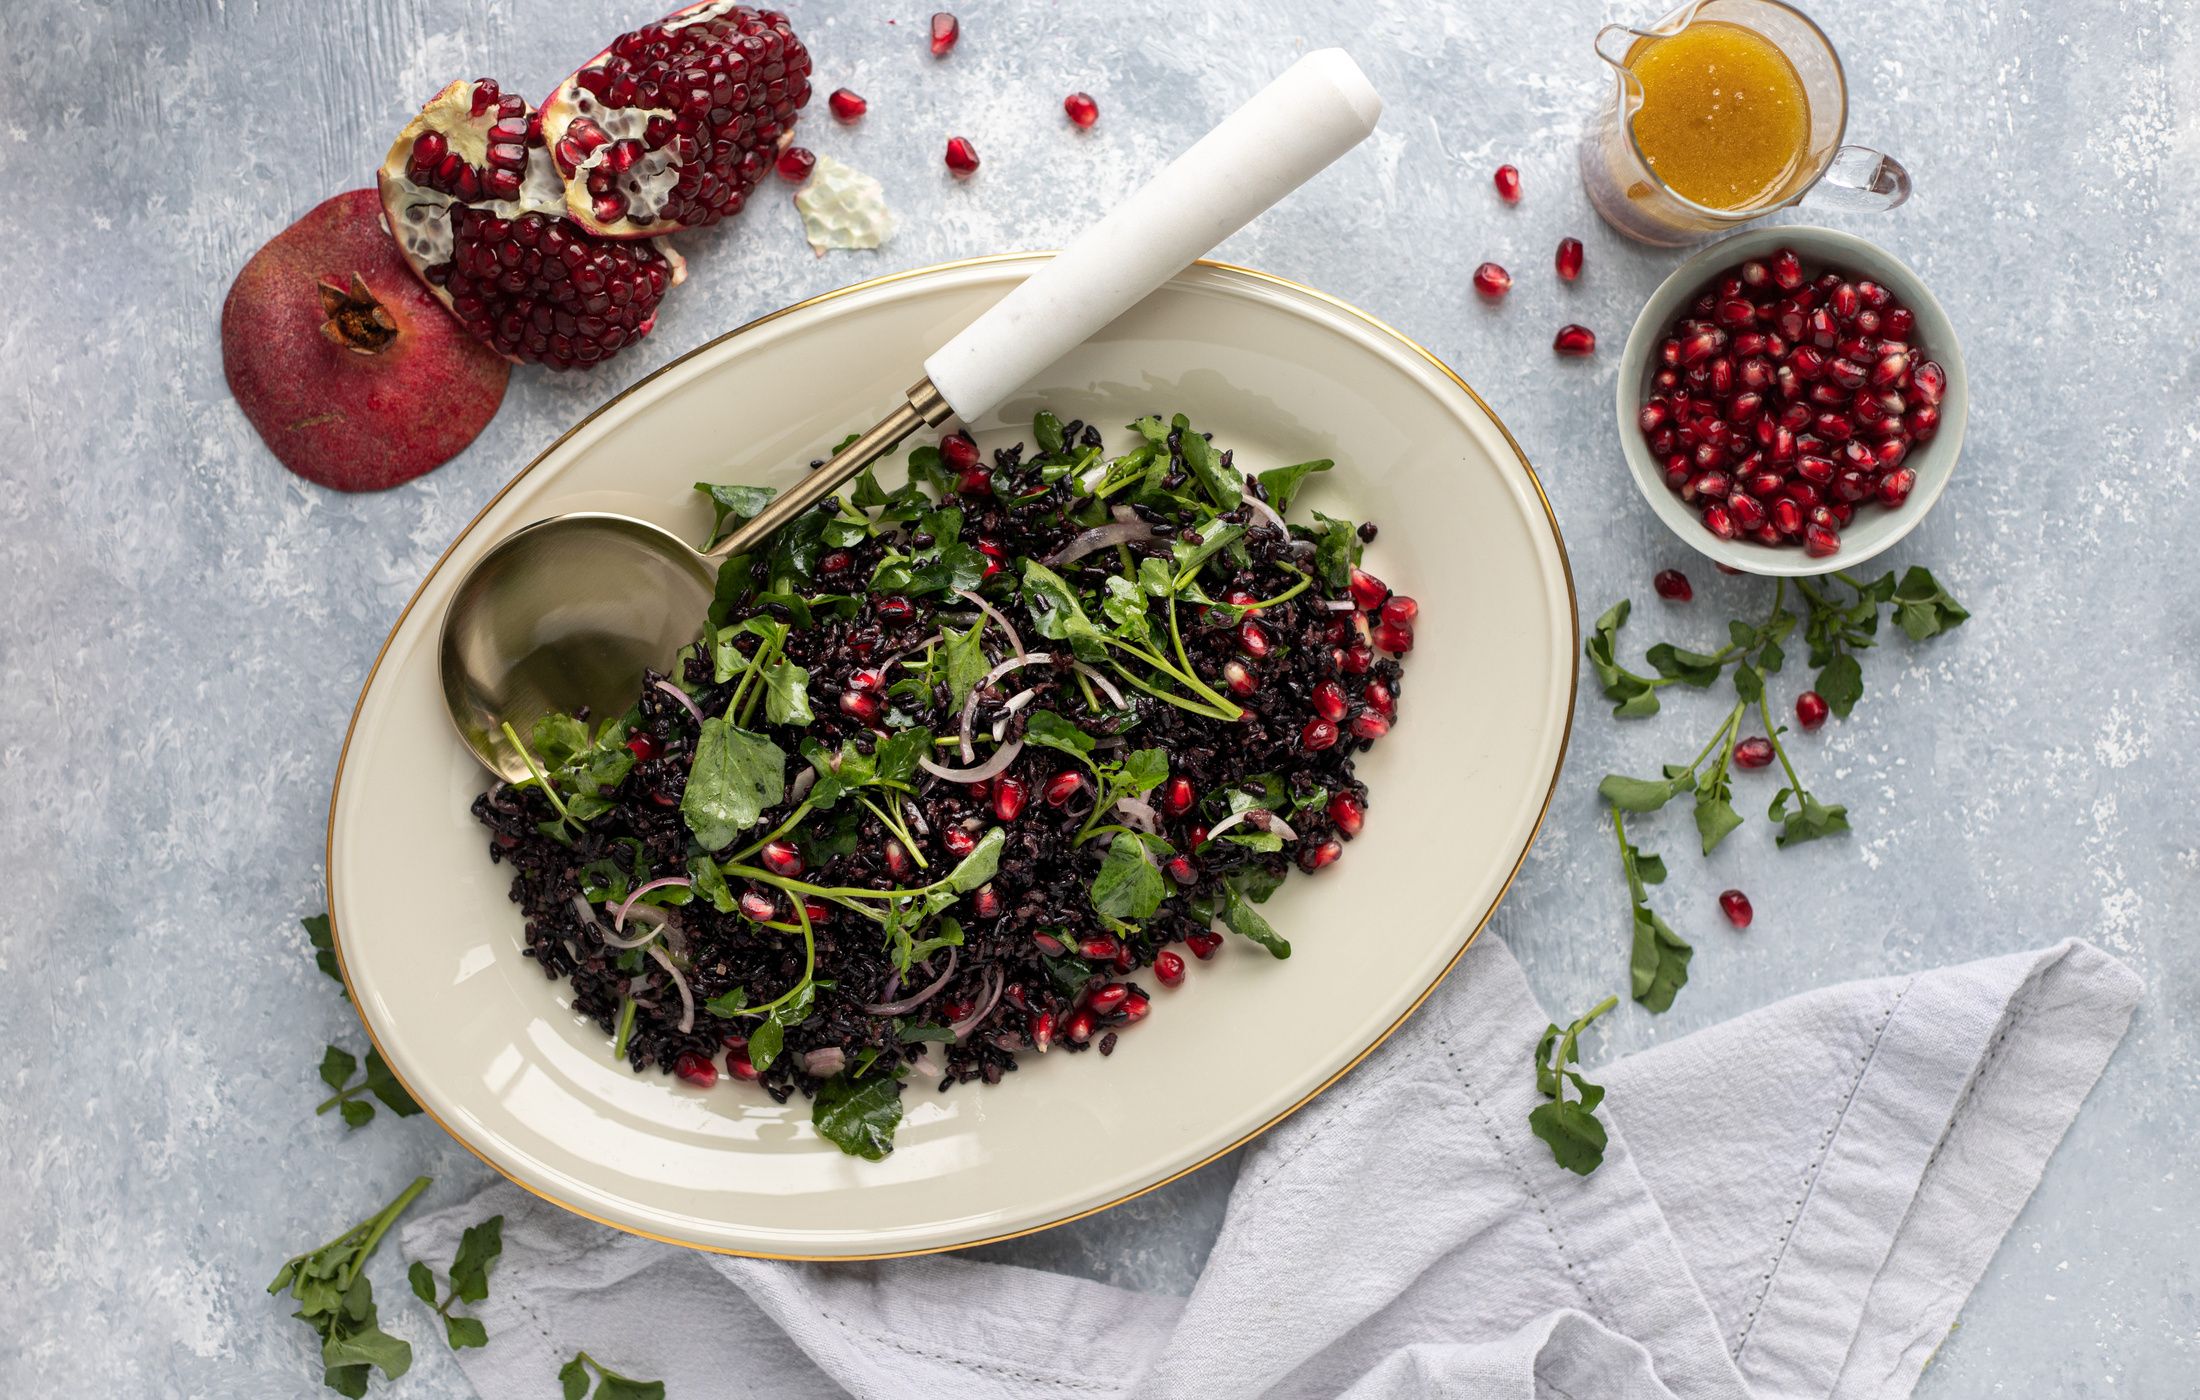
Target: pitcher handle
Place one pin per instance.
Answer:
(1861, 180)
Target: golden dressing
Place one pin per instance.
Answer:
(1724, 118)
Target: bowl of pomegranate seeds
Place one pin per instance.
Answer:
(1791, 401)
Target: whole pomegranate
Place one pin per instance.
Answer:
(344, 362)
(671, 126)
(480, 215)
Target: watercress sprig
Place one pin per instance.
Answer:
(1577, 1140)
(1658, 963)
(478, 1249)
(336, 1070)
(336, 1300)
(610, 1385)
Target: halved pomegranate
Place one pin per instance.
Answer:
(478, 213)
(672, 125)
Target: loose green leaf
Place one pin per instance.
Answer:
(1570, 1127)
(735, 777)
(1129, 885)
(787, 694)
(1049, 730)
(859, 1118)
(1282, 484)
(335, 1299)
(1211, 470)
(337, 1067)
(963, 656)
(1645, 794)
(1634, 694)
(1841, 683)
(1659, 961)
(1693, 668)
(323, 936)
(1046, 430)
(610, 1385)
(1246, 922)
(731, 505)
(1923, 607)
(1809, 820)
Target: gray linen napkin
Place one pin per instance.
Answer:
(1810, 1233)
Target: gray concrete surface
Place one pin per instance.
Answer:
(188, 624)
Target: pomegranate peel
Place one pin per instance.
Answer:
(351, 373)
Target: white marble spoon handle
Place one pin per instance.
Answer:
(1288, 132)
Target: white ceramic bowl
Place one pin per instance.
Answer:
(433, 950)
(1875, 529)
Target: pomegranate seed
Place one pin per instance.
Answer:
(1177, 795)
(986, 903)
(1569, 259)
(898, 863)
(1673, 585)
(1492, 281)
(644, 746)
(1753, 752)
(1787, 270)
(1107, 996)
(866, 681)
(835, 562)
(1400, 611)
(1930, 381)
(781, 858)
(1008, 798)
(1369, 725)
(1319, 734)
(1345, 810)
(1507, 179)
(1787, 516)
(817, 912)
(1821, 543)
(1042, 1031)
(1314, 857)
(1135, 1006)
(1844, 302)
(795, 164)
(1099, 948)
(1897, 323)
(1329, 701)
(1719, 523)
(1082, 110)
(1891, 452)
(860, 706)
(1238, 678)
(1895, 487)
(1168, 967)
(1049, 945)
(695, 1069)
(1196, 838)
(1182, 870)
(894, 608)
(1253, 639)
(958, 842)
(846, 105)
(945, 31)
(758, 907)
(740, 1066)
(1203, 945)
(962, 157)
(1922, 422)
(1575, 341)
(1368, 591)
(1394, 639)
(1735, 905)
(1062, 787)
(1653, 415)
(959, 451)
(1810, 709)
(1358, 659)
(1079, 1026)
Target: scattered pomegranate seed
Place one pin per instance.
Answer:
(1575, 341)
(946, 29)
(1329, 701)
(1008, 798)
(1400, 610)
(1735, 905)
(847, 106)
(781, 858)
(1753, 752)
(894, 608)
(898, 863)
(740, 1066)
(1177, 796)
(1135, 1007)
(1168, 966)
(1099, 948)
(1253, 639)
(1810, 709)
(1569, 259)
(1082, 110)
(1319, 734)
(1369, 725)
(795, 164)
(1041, 1027)
(1183, 870)
(1203, 945)
(1507, 180)
(1394, 639)
(959, 451)
(1492, 281)
(1238, 678)
(1368, 591)
(1345, 810)
(1062, 787)
(758, 907)
(643, 746)
(958, 842)
(1673, 585)
(1378, 696)
(695, 1069)
(1106, 997)
(962, 157)
(858, 705)
(1321, 853)
(1359, 659)
(1079, 1027)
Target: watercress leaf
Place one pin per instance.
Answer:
(765, 1042)
(736, 577)
(1658, 966)
(710, 883)
(910, 1034)
(336, 1067)
(1336, 551)
(357, 1113)
(384, 1086)
(422, 1280)
(869, 495)
(963, 658)
(1153, 430)
(323, 937)
(859, 1117)
(369, 1345)
(1649, 867)
(1258, 883)
(1156, 577)
(895, 758)
(1810, 820)
(979, 866)
(1129, 885)
(1142, 771)
(1125, 606)
(787, 694)
(1282, 483)
(1577, 1140)
(1715, 817)
(794, 551)
(478, 1250)
(1923, 607)
(1748, 684)
(1246, 922)
(728, 1004)
(1050, 731)
(348, 1381)
(1642, 703)
(1046, 430)
(1634, 696)
(735, 777)
(734, 504)
(464, 1332)
(1644, 794)
(1056, 612)
(1214, 537)
(1692, 668)
(573, 1380)
(1211, 470)
(1841, 682)
(1546, 1073)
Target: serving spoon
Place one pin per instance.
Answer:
(571, 611)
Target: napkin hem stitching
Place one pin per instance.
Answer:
(1006, 1369)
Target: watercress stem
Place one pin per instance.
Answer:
(534, 769)
(1772, 732)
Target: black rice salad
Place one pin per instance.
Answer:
(953, 768)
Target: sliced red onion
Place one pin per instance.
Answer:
(1102, 537)
(916, 817)
(1139, 813)
(894, 656)
(651, 918)
(683, 697)
(992, 767)
(970, 706)
(803, 782)
(1338, 604)
(586, 913)
(1107, 687)
(687, 998)
(1014, 703)
(618, 920)
(1263, 508)
(998, 617)
(967, 1024)
(825, 1062)
(1279, 826)
(1122, 513)
(1235, 817)
(904, 1005)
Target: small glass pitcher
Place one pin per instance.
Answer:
(1632, 198)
